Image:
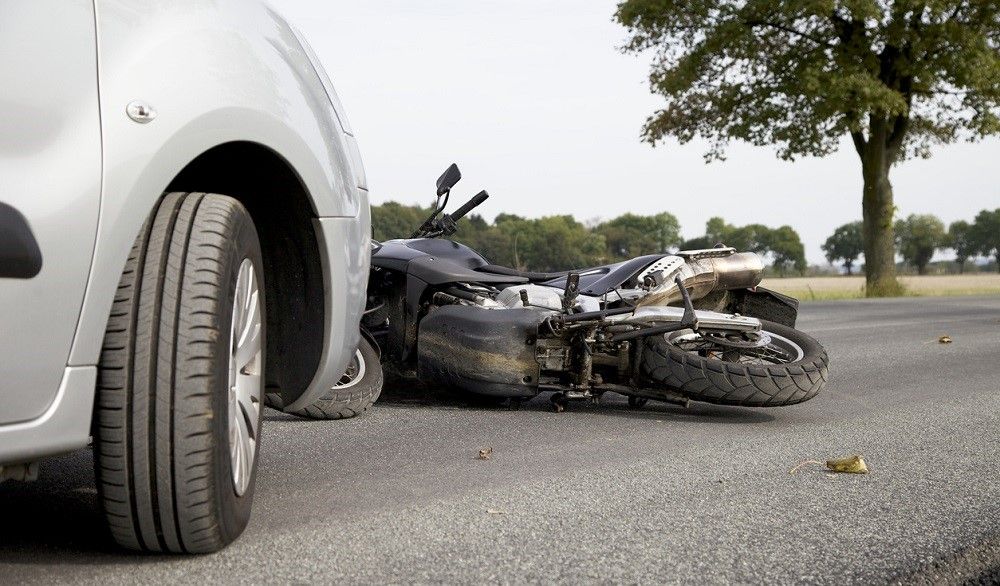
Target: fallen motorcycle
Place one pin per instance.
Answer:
(690, 326)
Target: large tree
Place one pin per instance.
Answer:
(845, 245)
(918, 236)
(896, 76)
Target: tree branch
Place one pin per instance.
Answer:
(859, 142)
(790, 30)
(900, 124)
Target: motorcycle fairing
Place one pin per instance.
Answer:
(426, 262)
(437, 262)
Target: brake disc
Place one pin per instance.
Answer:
(738, 339)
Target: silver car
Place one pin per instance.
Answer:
(184, 235)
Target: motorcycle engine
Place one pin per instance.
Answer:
(539, 297)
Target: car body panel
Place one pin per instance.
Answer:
(50, 172)
(63, 427)
(212, 78)
(212, 73)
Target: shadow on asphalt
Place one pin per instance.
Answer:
(57, 519)
(406, 395)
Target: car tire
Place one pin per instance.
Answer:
(178, 404)
(356, 391)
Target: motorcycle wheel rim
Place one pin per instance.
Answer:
(779, 350)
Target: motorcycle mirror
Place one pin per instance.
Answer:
(448, 179)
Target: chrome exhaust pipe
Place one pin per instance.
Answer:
(703, 274)
(742, 270)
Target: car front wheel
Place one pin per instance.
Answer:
(179, 398)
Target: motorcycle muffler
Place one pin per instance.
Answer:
(703, 272)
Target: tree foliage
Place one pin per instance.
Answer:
(631, 235)
(802, 74)
(960, 239)
(844, 245)
(986, 234)
(896, 76)
(919, 235)
(555, 243)
(781, 245)
(395, 220)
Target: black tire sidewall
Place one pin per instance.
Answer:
(346, 402)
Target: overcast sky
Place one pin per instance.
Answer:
(535, 102)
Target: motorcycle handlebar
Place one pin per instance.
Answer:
(470, 205)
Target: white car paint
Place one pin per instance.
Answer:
(86, 175)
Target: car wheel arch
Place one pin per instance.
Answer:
(283, 211)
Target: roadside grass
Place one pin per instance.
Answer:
(837, 288)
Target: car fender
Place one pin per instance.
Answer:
(205, 74)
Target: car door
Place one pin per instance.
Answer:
(50, 185)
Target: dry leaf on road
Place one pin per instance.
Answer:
(485, 453)
(849, 465)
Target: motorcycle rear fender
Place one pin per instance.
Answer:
(766, 304)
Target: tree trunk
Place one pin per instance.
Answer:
(847, 266)
(877, 207)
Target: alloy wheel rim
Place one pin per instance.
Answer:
(777, 349)
(244, 377)
(355, 372)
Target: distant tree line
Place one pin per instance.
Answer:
(918, 236)
(559, 242)
(781, 245)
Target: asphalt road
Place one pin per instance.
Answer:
(602, 493)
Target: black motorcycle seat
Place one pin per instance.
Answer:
(532, 276)
(593, 281)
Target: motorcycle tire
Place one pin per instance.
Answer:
(702, 376)
(352, 396)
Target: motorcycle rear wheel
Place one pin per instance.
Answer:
(790, 369)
